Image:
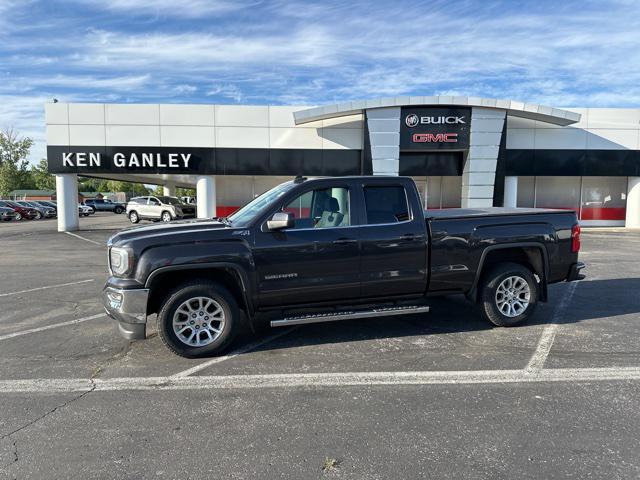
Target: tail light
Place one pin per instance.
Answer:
(575, 238)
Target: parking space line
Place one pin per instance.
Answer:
(305, 380)
(549, 333)
(85, 239)
(240, 351)
(46, 287)
(49, 327)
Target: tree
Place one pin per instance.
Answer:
(42, 179)
(14, 172)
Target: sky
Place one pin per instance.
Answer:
(559, 53)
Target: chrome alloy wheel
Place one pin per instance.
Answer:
(198, 321)
(512, 296)
(166, 217)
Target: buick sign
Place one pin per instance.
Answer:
(435, 128)
(412, 120)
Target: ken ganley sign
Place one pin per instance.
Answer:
(128, 160)
(435, 128)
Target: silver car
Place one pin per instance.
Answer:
(158, 208)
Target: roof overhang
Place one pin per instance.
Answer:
(514, 108)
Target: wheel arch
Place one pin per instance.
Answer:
(163, 279)
(532, 255)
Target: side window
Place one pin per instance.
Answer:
(153, 201)
(386, 205)
(322, 208)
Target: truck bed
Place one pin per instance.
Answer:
(488, 211)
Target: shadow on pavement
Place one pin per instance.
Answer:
(592, 300)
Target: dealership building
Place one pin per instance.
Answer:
(461, 151)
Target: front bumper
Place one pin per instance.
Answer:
(574, 272)
(129, 308)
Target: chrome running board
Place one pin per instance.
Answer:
(333, 316)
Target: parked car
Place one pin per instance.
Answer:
(84, 210)
(103, 205)
(44, 212)
(47, 203)
(21, 211)
(158, 208)
(332, 249)
(7, 214)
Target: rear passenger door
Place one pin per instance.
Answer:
(393, 240)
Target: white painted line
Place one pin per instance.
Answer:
(85, 239)
(549, 333)
(46, 287)
(240, 351)
(305, 380)
(49, 327)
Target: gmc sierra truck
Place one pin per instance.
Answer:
(326, 249)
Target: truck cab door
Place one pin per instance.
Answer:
(394, 240)
(317, 259)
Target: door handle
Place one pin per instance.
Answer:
(410, 236)
(344, 241)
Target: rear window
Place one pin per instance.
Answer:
(386, 205)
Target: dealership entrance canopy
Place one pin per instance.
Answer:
(461, 151)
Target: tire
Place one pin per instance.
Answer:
(503, 295)
(118, 210)
(165, 216)
(18, 216)
(189, 293)
(38, 216)
(133, 216)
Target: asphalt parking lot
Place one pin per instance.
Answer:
(441, 395)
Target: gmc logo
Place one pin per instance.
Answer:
(435, 138)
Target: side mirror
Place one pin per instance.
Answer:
(281, 220)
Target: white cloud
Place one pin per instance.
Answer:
(183, 8)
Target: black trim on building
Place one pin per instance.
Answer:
(367, 159)
(216, 161)
(501, 166)
(431, 163)
(569, 163)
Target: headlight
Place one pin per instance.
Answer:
(120, 261)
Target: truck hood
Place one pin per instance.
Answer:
(172, 232)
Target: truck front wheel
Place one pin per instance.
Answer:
(199, 318)
(509, 294)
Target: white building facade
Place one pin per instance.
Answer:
(461, 151)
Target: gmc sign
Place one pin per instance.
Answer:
(434, 128)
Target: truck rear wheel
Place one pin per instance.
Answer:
(509, 295)
(199, 318)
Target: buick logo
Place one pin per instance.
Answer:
(412, 120)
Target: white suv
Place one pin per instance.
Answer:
(158, 208)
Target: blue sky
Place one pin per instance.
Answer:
(560, 53)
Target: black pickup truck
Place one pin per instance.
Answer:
(314, 250)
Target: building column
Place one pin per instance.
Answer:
(206, 196)
(169, 190)
(384, 138)
(67, 200)
(510, 192)
(479, 173)
(633, 203)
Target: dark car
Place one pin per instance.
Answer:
(44, 212)
(103, 205)
(7, 214)
(21, 211)
(331, 249)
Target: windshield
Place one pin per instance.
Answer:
(170, 200)
(244, 216)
